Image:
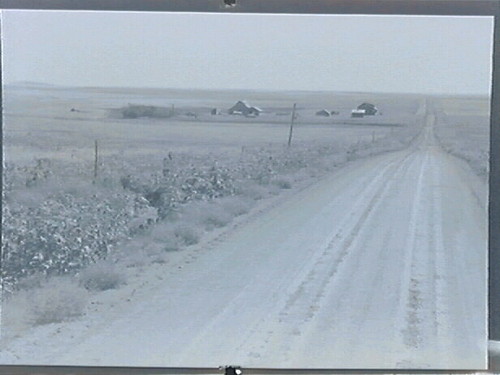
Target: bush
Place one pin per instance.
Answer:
(136, 110)
(187, 234)
(208, 215)
(221, 212)
(216, 218)
(163, 233)
(283, 183)
(236, 206)
(58, 300)
(101, 276)
(171, 243)
(67, 232)
(253, 191)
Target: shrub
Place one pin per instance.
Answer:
(15, 314)
(171, 243)
(101, 276)
(136, 110)
(208, 215)
(283, 183)
(253, 191)
(58, 300)
(163, 233)
(187, 234)
(31, 282)
(216, 217)
(134, 258)
(66, 232)
(236, 206)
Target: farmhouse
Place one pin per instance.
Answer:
(323, 113)
(359, 113)
(369, 109)
(243, 108)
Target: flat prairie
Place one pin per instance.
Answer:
(140, 229)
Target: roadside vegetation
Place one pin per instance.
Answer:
(68, 231)
(466, 137)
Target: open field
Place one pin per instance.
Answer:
(220, 244)
(463, 128)
(41, 123)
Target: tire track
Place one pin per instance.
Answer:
(410, 305)
(305, 299)
(424, 309)
(344, 287)
(442, 327)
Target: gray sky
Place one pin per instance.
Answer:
(237, 51)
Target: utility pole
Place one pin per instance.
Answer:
(95, 161)
(291, 125)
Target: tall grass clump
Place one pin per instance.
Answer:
(55, 300)
(101, 276)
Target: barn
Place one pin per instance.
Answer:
(243, 108)
(369, 109)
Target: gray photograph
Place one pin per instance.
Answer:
(271, 191)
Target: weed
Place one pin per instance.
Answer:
(101, 276)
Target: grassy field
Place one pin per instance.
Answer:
(463, 129)
(40, 124)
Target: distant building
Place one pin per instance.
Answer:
(358, 113)
(243, 108)
(323, 113)
(369, 109)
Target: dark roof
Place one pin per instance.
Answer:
(323, 112)
(243, 107)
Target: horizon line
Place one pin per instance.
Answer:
(65, 86)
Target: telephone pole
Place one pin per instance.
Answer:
(291, 125)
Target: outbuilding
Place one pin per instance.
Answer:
(369, 109)
(323, 113)
(243, 108)
(358, 113)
